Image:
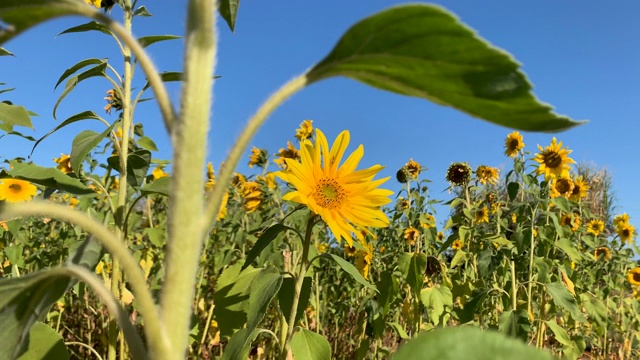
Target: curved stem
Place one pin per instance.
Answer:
(154, 329)
(93, 351)
(226, 172)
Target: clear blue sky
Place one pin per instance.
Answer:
(583, 58)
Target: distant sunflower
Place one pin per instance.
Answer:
(427, 221)
(364, 258)
(14, 190)
(561, 186)
(413, 169)
(459, 174)
(620, 220)
(350, 250)
(252, 196)
(513, 144)
(580, 189)
(344, 198)
(626, 232)
(482, 215)
(602, 252)
(440, 236)
(595, 227)
(457, 244)
(487, 174)
(258, 157)
(289, 153)
(554, 160)
(411, 235)
(64, 163)
(572, 221)
(634, 276)
(158, 173)
(305, 131)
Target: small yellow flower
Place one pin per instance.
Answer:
(14, 190)
(634, 276)
(158, 173)
(115, 183)
(487, 174)
(411, 235)
(113, 97)
(602, 251)
(211, 177)
(482, 215)
(554, 160)
(4, 226)
(514, 217)
(513, 144)
(64, 163)
(595, 227)
(620, 220)
(95, 3)
(403, 204)
(430, 221)
(73, 202)
(258, 157)
(289, 153)
(413, 169)
(223, 207)
(440, 236)
(305, 131)
(626, 233)
(364, 259)
(457, 244)
(322, 248)
(382, 249)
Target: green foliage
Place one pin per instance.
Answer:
(44, 344)
(307, 345)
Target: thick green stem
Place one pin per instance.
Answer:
(514, 286)
(531, 252)
(185, 230)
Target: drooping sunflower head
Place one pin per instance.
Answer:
(595, 227)
(252, 196)
(15, 191)
(258, 157)
(413, 169)
(626, 232)
(482, 215)
(459, 174)
(411, 235)
(289, 153)
(513, 144)
(634, 276)
(570, 220)
(64, 163)
(457, 244)
(487, 174)
(305, 130)
(345, 198)
(554, 160)
(561, 186)
(158, 173)
(603, 252)
(402, 175)
(580, 189)
(364, 258)
(620, 220)
(113, 100)
(403, 204)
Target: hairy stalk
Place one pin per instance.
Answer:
(531, 251)
(185, 230)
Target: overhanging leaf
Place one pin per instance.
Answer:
(98, 70)
(79, 65)
(425, 51)
(49, 177)
(83, 143)
(85, 115)
(90, 26)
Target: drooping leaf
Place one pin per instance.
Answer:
(85, 115)
(515, 324)
(563, 298)
(5, 52)
(19, 134)
(15, 115)
(263, 241)
(98, 70)
(148, 40)
(161, 186)
(20, 15)
(49, 177)
(350, 269)
(90, 26)
(285, 297)
(27, 299)
(308, 345)
(142, 11)
(512, 190)
(45, 344)
(79, 65)
(83, 143)
(228, 9)
(138, 162)
(232, 298)
(425, 51)
(467, 343)
(567, 246)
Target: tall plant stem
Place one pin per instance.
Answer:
(185, 231)
(531, 251)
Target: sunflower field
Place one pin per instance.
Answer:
(110, 253)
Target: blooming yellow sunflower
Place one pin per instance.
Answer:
(344, 198)
(238, 180)
(634, 276)
(561, 186)
(305, 130)
(482, 215)
(269, 179)
(602, 251)
(487, 174)
(364, 258)
(258, 157)
(289, 153)
(620, 220)
(626, 232)
(554, 160)
(95, 3)
(428, 221)
(73, 202)
(457, 244)
(513, 144)
(411, 235)
(595, 227)
(580, 189)
(14, 190)
(572, 221)
(413, 169)
(158, 173)
(252, 196)
(64, 163)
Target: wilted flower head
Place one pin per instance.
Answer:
(305, 130)
(487, 174)
(258, 157)
(113, 100)
(459, 174)
(289, 153)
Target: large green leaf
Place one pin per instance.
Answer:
(85, 115)
(285, 297)
(161, 186)
(98, 70)
(45, 344)
(425, 51)
(15, 115)
(237, 348)
(388, 289)
(20, 15)
(467, 342)
(228, 9)
(232, 297)
(138, 162)
(263, 241)
(515, 323)
(412, 266)
(307, 345)
(563, 298)
(49, 177)
(435, 299)
(27, 299)
(82, 145)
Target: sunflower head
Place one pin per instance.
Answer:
(403, 204)
(158, 173)
(15, 191)
(411, 235)
(322, 248)
(457, 244)
(626, 232)
(487, 174)
(113, 100)
(620, 220)
(350, 250)
(258, 157)
(345, 198)
(402, 175)
(513, 144)
(561, 186)
(603, 252)
(595, 227)
(413, 169)
(570, 220)
(305, 130)
(440, 236)
(459, 174)
(634, 276)
(64, 163)
(554, 160)
(289, 153)
(364, 258)
(482, 215)
(252, 196)
(427, 221)
(580, 189)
